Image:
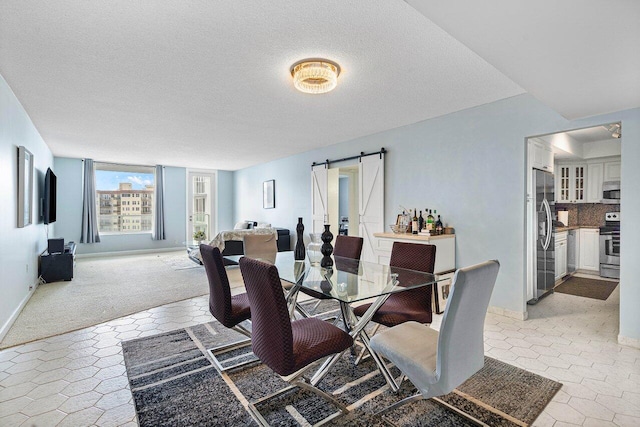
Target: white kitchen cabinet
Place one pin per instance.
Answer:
(561, 255)
(571, 183)
(595, 174)
(612, 171)
(589, 255)
(541, 155)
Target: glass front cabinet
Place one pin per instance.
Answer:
(571, 183)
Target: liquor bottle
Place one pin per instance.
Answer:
(406, 220)
(439, 226)
(420, 222)
(430, 223)
(414, 223)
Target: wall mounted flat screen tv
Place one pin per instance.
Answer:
(49, 201)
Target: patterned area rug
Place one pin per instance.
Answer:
(589, 288)
(180, 262)
(175, 384)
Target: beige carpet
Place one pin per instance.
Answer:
(106, 288)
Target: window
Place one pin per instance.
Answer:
(118, 188)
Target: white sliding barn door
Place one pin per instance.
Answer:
(319, 198)
(371, 201)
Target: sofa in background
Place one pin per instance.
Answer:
(230, 242)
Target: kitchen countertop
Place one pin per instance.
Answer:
(576, 227)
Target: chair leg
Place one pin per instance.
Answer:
(399, 403)
(306, 386)
(315, 307)
(213, 352)
(254, 410)
(364, 349)
(440, 402)
(324, 369)
(257, 416)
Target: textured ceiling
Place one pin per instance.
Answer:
(579, 57)
(206, 84)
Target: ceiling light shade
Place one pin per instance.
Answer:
(315, 75)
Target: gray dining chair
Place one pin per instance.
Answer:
(438, 362)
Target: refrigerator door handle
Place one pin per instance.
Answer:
(542, 227)
(547, 208)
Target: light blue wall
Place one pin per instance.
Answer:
(225, 201)
(19, 247)
(69, 173)
(470, 166)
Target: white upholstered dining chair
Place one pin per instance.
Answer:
(263, 246)
(438, 362)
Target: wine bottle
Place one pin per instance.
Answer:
(430, 223)
(439, 226)
(414, 223)
(420, 222)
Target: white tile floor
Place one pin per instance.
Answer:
(79, 379)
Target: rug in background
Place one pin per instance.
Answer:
(174, 384)
(589, 288)
(180, 261)
(106, 288)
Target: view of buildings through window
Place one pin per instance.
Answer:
(124, 198)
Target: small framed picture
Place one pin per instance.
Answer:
(441, 291)
(399, 220)
(269, 194)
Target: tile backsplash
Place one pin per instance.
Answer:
(586, 214)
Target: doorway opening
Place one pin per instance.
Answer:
(201, 219)
(566, 236)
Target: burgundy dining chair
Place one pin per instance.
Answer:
(348, 246)
(287, 347)
(229, 310)
(410, 305)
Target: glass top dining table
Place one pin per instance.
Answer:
(348, 281)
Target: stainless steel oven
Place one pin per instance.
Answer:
(610, 246)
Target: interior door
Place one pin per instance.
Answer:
(201, 205)
(371, 202)
(319, 198)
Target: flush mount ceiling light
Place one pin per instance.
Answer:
(315, 75)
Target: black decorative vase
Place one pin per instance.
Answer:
(326, 249)
(299, 252)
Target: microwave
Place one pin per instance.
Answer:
(611, 192)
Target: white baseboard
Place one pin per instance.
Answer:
(9, 323)
(520, 315)
(133, 252)
(628, 341)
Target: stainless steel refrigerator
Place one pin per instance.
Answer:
(545, 242)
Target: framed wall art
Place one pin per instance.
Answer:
(25, 187)
(269, 194)
(441, 291)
